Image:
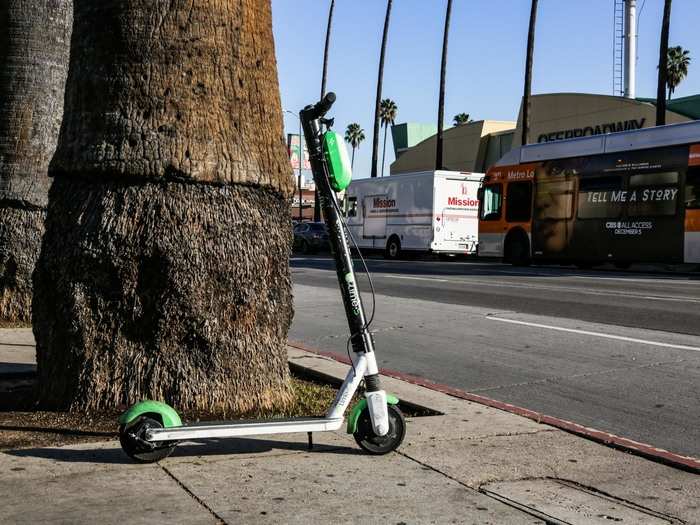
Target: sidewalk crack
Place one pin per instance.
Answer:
(477, 489)
(200, 501)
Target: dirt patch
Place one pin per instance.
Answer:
(13, 324)
(23, 425)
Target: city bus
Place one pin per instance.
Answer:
(628, 197)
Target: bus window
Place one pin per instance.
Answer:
(519, 202)
(653, 194)
(352, 207)
(492, 203)
(554, 200)
(600, 197)
(692, 189)
(553, 210)
(654, 179)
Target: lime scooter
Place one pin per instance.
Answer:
(150, 430)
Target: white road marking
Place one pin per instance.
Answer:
(596, 334)
(434, 279)
(650, 279)
(494, 284)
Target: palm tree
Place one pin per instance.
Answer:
(164, 270)
(460, 118)
(34, 49)
(441, 98)
(678, 62)
(325, 49)
(528, 72)
(317, 199)
(387, 114)
(377, 105)
(354, 135)
(663, 66)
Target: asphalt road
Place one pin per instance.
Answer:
(617, 351)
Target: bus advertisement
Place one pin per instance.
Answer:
(624, 198)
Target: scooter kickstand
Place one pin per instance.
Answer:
(311, 441)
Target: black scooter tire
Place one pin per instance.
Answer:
(380, 445)
(134, 446)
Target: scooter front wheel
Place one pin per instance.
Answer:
(379, 445)
(134, 444)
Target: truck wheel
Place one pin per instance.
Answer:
(393, 248)
(517, 251)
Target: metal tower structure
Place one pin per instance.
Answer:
(618, 47)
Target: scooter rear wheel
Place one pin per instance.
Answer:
(134, 444)
(379, 445)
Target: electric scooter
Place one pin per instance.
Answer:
(150, 430)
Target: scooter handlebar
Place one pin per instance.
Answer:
(321, 107)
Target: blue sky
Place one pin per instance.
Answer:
(486, 56)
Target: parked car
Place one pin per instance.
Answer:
(310, 237)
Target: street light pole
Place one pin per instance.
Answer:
(301, 161)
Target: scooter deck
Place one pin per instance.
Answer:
(221, 429)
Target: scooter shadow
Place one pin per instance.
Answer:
(199, 448)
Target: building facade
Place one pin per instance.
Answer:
(476, 146)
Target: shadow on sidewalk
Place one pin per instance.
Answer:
(201, 448)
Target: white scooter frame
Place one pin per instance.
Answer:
(365, 364)
(150, 430)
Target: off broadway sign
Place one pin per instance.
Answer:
(599, 129)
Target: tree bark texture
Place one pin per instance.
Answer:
(164, 291)
(441, 97)
(380, 81)
(164, 269)
(34, 48)
(175, 90)
(662, 80)
(527, 88)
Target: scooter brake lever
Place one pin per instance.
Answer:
(328, 122)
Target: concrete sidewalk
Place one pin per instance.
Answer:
(472, 464)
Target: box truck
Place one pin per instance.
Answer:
(429, 211)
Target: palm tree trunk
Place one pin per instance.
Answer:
(380, 77)
(384, 149)
(164, 269)
(352, 162)
(441, 102)
(325, 49)
(317, 199)
(663, 66)
(34, 47)
(527, 90)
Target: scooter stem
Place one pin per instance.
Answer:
(361, 339)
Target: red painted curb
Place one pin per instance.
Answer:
(635, 447)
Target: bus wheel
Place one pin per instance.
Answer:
(517, 251)
(393, 248)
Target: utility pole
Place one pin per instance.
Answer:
(301, 163)
(630, 48)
